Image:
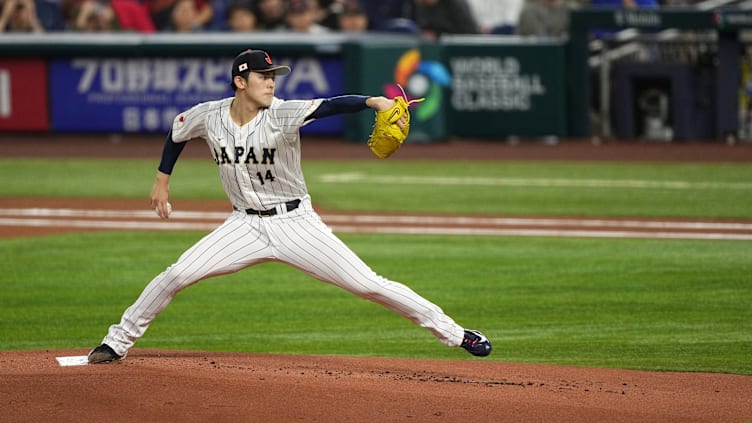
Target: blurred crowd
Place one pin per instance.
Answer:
(427, 18)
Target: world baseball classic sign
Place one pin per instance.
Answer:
(506, 89)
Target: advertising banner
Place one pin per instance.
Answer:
(143, 95)
(391, 67)
(506, 89)
(23, 95)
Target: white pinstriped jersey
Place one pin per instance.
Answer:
(259, 162)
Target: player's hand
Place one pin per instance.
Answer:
(382, 103)
(402, 122)
(160, 194)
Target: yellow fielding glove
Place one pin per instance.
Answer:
(387, 136)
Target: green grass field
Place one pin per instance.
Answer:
(545, 188)
(626, 303)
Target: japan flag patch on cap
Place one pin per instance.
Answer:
(242, 67)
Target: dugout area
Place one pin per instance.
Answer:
(663, 74)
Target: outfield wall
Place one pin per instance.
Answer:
(475, 86)
(134, 83)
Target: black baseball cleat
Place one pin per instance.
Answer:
(103, 354)
(476, 343)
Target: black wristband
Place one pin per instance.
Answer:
(170, 154)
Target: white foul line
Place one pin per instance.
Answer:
(394, 219)
(416, 230)
(512, 221)
(454, 225)
(112, 214)
(560, 233)
(109, 224)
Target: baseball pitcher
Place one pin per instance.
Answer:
(255, 142)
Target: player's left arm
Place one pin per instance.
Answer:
(349, 104)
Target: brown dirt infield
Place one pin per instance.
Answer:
(159, 386)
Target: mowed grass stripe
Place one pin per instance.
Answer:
(362, 178)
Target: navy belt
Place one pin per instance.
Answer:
(290, 206)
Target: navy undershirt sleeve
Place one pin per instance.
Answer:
(170, 154)
(338, 105)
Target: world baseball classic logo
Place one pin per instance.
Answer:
(421, 78)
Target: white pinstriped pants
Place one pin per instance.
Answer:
(298, 238)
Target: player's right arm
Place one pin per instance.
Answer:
(160, 192)
(187, 125)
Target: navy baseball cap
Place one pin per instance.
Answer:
(256, 61)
